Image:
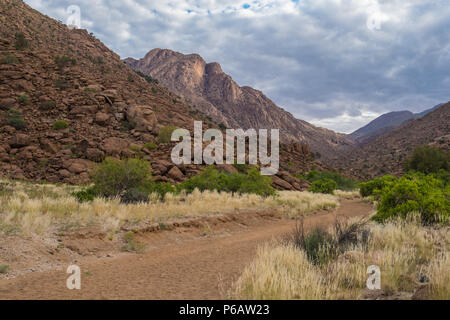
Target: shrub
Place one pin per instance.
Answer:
(165, 134)
(343, 183)
(151, 146)
(47, 105)
(113, 177)
(85, 195)
(61, 84)
(211, 179)
(323, 186)
(4, 269)
(428, 159)
(60, 125)
(64, 61)
(147, 77)
(415, 193)
(21, 41)
(375, 186)
(23, 99)
(9, 59)
(322, 246)
(134, 195)
(14, 119)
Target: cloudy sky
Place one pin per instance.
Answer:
(335, 63)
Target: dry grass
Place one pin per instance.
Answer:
(38, 209)
(406, 253)
(349, 195)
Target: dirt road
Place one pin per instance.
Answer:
(195, 269)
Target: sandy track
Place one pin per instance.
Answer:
(187, 270)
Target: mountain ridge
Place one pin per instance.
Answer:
(386, 123)
(215, 93)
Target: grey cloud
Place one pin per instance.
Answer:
(317, 58)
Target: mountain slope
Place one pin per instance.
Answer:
(386, 154)
(67, 102)
(386, 123)
(215, 93)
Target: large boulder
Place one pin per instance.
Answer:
(143, 117)
(115, 146)
(19, 140)
(175, 174)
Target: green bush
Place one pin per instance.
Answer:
(9, 59)
(151, 146)
(343, 183)
(375, 186)
(60, 125)
(428, 159)
(47, 105)
(113, 177)
(85, 195)
(323, 186)
(165, 134)
(14, 119)
(211, 179)
(21, 41)
(23, 99)
(418, 193)
(64, 61)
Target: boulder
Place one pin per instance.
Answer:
(101, 118)
(19, 140)
(175, 174)
(115, 146)
(94, 154)
(143, 117)
(281, 184)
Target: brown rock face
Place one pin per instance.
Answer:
(143, 117)
(216, 94)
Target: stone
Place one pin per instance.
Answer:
(94, 154)
(101, 118)
(175, 174)
(19, 140)
(143, 117)
(115, 146)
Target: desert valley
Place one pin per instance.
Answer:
(87, 180)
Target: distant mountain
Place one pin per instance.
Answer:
(386, 153)
(386, 123)
(215, 93)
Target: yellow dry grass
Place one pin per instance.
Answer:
(37, 209)
(405, 251)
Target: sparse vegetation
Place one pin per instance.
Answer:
(21, 42)
(9, 59)
(60, 125)
(165, 134)
(47, 105)
(4, 269)
(14, 119)
(150, 146)
(23, 99)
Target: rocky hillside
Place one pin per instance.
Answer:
(384, 124)
(210, 90)
(386, 154)
(67, 102)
